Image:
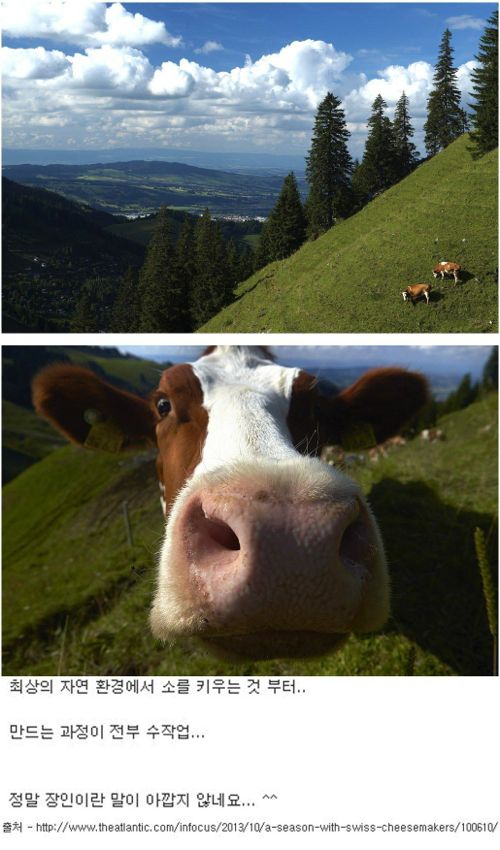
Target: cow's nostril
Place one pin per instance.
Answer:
(220, 532)
(356, 545)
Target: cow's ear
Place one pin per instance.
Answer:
(373, 409)
(91, 412)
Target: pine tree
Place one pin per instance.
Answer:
(328, 168)
(212, 286)
(378, 169)
(185, 270)
(485, 91)
(464, 395)
(359, 191)
(286, 225)
(489, 380)
(233, 261)
(464, 121)
(125, 316)
(405, 150)
(263, 251)
(246, 266)
(161, 297)
(444, 114)
(94, 307)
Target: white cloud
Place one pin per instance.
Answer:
(126, 28)
(415, 80)
(83, 23)
(56, 19)
(464, 79)
(33, 63)
(464, 22)
(171, 81)
(298, 76)
(107, 68)
(112, 94)
(209, 47)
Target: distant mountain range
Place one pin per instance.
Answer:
(140, 187)
(242, 162)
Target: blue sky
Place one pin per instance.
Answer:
(371, 32)
(430, 359)
(227, 77)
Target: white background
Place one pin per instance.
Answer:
(405, 750)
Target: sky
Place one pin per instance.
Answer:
(430, 359)
(239, 77)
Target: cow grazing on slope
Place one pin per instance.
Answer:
(267, 551)
(430, 435)
(447, 268)
(415, 291)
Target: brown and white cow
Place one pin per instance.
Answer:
(415, 291)
(267, 551)
(447, 268)
(430, 435)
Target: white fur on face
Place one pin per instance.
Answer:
(248, 445)
(247, 398)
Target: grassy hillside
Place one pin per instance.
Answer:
(352, 277)
(25, 439)
(76, 595)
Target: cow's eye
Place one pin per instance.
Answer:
(163, 406)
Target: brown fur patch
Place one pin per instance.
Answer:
(180, 435)
(301, 419)
(64, 394)
(384, 400)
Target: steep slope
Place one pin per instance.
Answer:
(76, 595)
(350, 280)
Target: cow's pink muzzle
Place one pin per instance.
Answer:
(261, 571)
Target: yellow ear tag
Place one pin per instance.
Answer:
(359, 436)
(105, 436)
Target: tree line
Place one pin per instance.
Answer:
(339, 187)
(183, 284)
(465, 394)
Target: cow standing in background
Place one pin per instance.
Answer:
(415, 291)
(447, 268)
(267, 551)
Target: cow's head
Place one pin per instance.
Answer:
(267, 551)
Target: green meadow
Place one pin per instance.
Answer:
(351, 278)
(77, 591)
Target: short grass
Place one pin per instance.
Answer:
(76, 595)
(351, 279)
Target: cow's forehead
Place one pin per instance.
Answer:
(245, 367)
